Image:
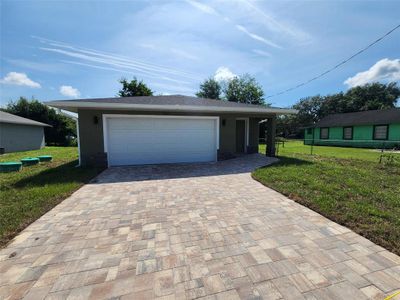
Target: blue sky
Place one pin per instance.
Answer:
(79, 49)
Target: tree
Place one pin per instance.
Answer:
(210, 88)
(309, 110)
(244, 89)
(62, 126)
(134, 88)
(373, 96)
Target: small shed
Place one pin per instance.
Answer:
(20, 134)
(365, 129)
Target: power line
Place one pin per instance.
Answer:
(338, 65)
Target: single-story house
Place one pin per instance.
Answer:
(167, 129)
(20, 134)
(366, 129)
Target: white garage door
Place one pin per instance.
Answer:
(153, 140)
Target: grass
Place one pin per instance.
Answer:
(297, 146)
(27, 195)
(346, 185)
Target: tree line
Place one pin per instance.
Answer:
(245, 89)
(242, 89)
(372, 96)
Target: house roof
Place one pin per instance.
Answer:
(13, 119)
(166, 103)
(369, 117)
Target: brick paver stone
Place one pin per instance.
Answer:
(191, 231)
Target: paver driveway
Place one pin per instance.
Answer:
(191, 231)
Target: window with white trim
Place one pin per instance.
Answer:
(380, 132)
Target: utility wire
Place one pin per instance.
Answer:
(336, 66)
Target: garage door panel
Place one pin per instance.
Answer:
(138, 140)
(118, 148)
(161, 157)
(166, 148)
(119, 136)
(182, 124)
(172, 148)
(126, 123)
(185, 137)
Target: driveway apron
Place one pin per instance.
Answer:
(190, 231)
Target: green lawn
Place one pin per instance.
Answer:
(346, 185)
(28, 194)
(297, 146)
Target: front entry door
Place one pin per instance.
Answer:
(240, 136)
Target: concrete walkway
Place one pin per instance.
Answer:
(191, 231)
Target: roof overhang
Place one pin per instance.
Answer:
(73, 106)
(33, 123)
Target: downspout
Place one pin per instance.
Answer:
(77, 134)
(79, 141)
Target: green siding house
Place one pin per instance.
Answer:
(366, 129)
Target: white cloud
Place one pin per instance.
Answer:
(69, 91)
(257, 37)
(259, 17)
(255, 15)
(170, 89)
(202, 7)
(116, 61)
(16, 78)
(271, 22)
(223, 74)
(383, 70)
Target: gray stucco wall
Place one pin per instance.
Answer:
(14, 137)
(91, 134)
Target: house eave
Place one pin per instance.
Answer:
(73, 107)
(38, 124)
